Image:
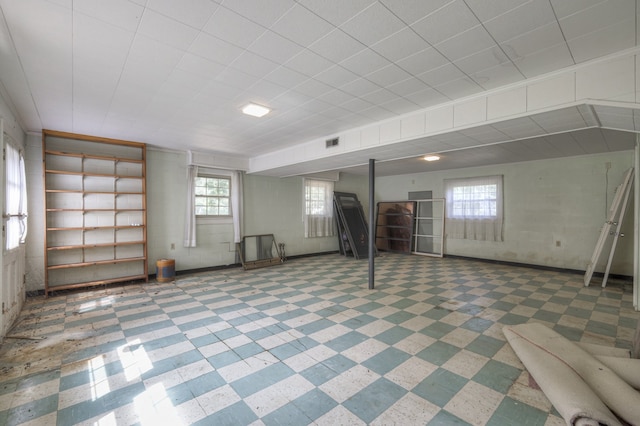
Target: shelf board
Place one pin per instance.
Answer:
(96, 263)
(85, 246)
(80, 191)
(96, 283)
(85, 174)
(93, 156)
(95, 210)
(94, 228)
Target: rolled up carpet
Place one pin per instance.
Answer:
(583, 389)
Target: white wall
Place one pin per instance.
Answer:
(271, 206)
(546, 201)
(274, 206)
(565, 200)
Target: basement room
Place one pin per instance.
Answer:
(301, 212)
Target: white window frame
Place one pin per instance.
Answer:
(318, 211)
(227, 197)
(474, 208)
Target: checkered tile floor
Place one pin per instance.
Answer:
(302, 343)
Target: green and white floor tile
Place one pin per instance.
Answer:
(302, 343)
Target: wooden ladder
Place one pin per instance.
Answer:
(611, 227)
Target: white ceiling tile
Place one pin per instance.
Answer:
(388, 75)
(236, 78)
(482, 60)
(194, 13)
(466, 43)
(590, 142)
(121, 13)
(427, 97)
(285, 77)
(619, 36)
(231, 27)
(148, 73)
(372, 24)
(519, 128)
(264, 90)
(336, 76)
(312, 88)
(459, 88)
(422, 61)
(301, 25)
(486, 10)
(167, 30)
(336, 97)
(594, 18)
(376, 113)
(485, 134)
(360, 87)
(337, 46)
(356, 105)
(254, 64)
(365, 62)
(399, 105)
(565, 144)
(214, 49)
(308, 63)
(379, 96)
(520, 20)
(441, 75)
(261, 12)
(315, 106)
(408, 86)
(290, 100)
(545, 60)
(400, 45)
(533, 41)
(560, 120)
(275, 47)
(100, 42)
(336, 12)
(200, 66)
(564, 8)
(618, 141)
(446, 22)
(497, 76)
(411, 11)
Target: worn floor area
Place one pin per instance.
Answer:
(300, 343)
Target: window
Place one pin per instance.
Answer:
(15, 212)
(474, 208)
(212, 196)
(318, 208)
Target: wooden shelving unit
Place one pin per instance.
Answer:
(95, 211)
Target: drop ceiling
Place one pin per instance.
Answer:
(175, 74)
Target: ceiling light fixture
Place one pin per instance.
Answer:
(255, 110)
(431, 158)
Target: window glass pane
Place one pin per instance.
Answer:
(213, 194)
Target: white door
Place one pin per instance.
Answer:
(12, 286)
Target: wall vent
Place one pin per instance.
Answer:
(332, 142)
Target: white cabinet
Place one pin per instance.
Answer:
(95, 201)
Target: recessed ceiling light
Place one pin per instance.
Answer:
(431, 158)
(255, 110)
